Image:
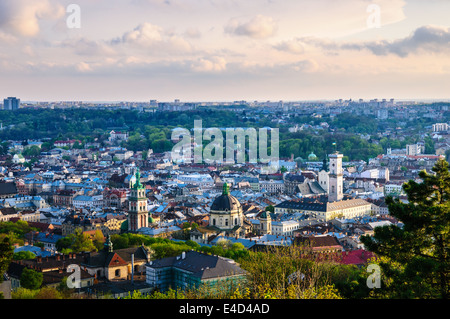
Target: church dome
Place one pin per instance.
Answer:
(312, 156)
(225, 202)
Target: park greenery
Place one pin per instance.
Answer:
(357, 135)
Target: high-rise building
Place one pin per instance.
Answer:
(336, 178)
(440, 127)
(137, 212)
(11, 104)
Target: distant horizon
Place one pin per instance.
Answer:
(231, 100)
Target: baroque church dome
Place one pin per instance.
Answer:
(225, 202)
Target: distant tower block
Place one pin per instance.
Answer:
(336, 178)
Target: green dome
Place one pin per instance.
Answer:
(312, 156)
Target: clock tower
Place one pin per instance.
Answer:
(336, 178)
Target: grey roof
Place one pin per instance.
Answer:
(8, 188)
(201, 265)
(304, 205)
(310, 188)
(295, 178)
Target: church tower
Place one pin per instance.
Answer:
(137, 209)
(266, 223)
(336, 178)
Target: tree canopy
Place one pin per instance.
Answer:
(416, 256)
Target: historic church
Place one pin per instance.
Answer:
(226, 215)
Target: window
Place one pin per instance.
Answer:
(117, 273)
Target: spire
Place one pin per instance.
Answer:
(226, 189)
(325, 165)
(108, 244)
(138, 184)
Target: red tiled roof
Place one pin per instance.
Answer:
(356, 257)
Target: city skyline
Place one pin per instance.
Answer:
(139, 50)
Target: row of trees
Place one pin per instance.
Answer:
(153, 130)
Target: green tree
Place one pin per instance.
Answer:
(6, 253)
(24, 255)
(32, 151)
(31, 279)
(119, 241)
(83, 242)
(98, 239)
(416, 256)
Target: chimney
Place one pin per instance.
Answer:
(183, 255)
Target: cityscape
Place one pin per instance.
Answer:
(135, 168)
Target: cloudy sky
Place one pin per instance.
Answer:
(224, 50)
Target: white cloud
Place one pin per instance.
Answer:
(83, 67)
(144, 34)
(210, 64)
(425, 39)
(259, 27)
(22, 17)
(294, 46)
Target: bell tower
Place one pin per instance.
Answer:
(137, 209)
(336, 178)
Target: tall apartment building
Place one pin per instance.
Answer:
(440, 127)
(11, 104)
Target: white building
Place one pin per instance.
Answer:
(440, 127)
(18, 159)
(202, 180)
(272, 186)
(82, 201)
(393, 189)
(413, 149)
(118, 136)
(284, 228)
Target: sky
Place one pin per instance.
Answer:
(224, 50)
